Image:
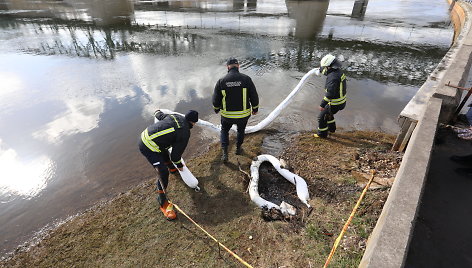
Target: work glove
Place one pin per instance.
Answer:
(217, 110)
(159, 115)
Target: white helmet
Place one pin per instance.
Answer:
(327, 60)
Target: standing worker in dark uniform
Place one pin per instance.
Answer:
(172, 130)
(335, 97)
(236, 97)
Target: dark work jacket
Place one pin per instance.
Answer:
(235, 95)
(172, 130)
(335, 88)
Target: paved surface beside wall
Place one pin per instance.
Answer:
(442, 236)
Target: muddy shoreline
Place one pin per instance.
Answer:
(129, 230)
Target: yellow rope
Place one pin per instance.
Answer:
(336, 243)
(223, 246)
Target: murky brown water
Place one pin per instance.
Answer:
(80, 80)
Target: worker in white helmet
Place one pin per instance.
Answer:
(335, 97)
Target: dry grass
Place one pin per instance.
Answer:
(129, 231)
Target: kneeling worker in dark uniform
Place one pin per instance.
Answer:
(335, 97)
(236, 97)
(172, 130)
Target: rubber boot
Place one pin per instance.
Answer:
(224, 154)
(166, 207)
(168, 210)
(161, 197)
(239, 150)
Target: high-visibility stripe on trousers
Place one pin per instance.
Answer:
(326, 119)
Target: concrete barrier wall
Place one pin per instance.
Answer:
(388, 244)
(453, 69)
(414, 109)
(458, 17)
(458, 71)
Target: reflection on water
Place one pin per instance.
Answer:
(81, 78)
(176, 27)
(198, 5)
(384, 62)
(101, 12)
(10, 83)
(359, 9)
(22, 177)
(82, 115)
(309, 16)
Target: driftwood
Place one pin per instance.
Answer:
(363, 178)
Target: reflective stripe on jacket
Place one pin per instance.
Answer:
(171, 130)
(235, 95)
(335, 88)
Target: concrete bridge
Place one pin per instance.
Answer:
(425, 220)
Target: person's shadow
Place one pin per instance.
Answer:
(218, 201)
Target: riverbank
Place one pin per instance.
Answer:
(129, 230)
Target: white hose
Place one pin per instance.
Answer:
(299, 182)
(271, 117)
(282, 105)
(190, 179)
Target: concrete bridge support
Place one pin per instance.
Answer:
(358, 11)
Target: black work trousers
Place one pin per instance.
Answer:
(160, 161)
(326, 119)
(226, 124)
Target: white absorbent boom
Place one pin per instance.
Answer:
(302, 189)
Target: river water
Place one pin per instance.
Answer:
(79, 81)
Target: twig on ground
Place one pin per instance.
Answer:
(245, 173)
